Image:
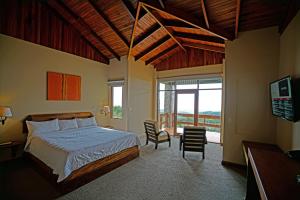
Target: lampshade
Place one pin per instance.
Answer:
(106, 109)
(5, 111)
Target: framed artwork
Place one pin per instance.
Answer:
(63, 86)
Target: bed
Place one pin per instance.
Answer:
(70, 158)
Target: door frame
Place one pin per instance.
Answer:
(196, 102)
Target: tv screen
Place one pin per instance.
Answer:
(282, 98)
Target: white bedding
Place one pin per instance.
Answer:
(68, 150)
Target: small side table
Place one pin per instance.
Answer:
(14, 146)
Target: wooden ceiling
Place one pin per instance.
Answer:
(153, 31)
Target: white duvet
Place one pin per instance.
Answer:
(68, 150)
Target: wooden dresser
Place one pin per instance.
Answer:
(271, 174)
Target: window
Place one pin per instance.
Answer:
(117, 96)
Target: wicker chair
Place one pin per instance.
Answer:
(194, 139)
(154, 134)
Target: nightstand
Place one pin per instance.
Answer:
(14, 146)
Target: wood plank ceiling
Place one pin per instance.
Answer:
(159, 32)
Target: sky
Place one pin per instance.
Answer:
(117, 96)
(209, 100)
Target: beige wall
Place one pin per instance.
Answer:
(141, 92)
(23, 68)
(138, 93)
(205, 70)
(251, 64)
(288, 133)
(118, 71)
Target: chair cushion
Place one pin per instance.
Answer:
(163, 136)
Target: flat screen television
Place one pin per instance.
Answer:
(282, 98)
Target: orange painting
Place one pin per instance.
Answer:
(63, 86)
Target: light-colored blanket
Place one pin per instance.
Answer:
(68, 150)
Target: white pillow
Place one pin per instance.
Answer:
(43, 126)
(67, 124)
(86, 122)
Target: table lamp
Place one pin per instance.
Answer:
(5, 112)
(106, 110)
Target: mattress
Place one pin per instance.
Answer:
(68, 150)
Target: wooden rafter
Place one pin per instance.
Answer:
(146, 34)
(204, 13)
(205, 47)
(133, 29)
(199, 37)
(132, 12)
(152, 47)
(59, 7)
(157, 19)
(176, 23)
(156, 57)
(90, 30)
(187, 18)
(128, 6)
(161, 2)
(237, 17)
(108, 22)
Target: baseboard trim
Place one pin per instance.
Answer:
(235, 165)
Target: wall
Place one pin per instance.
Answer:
(208, 69)
(141, 95)
(23, 67)
(288, 133)
(250, 65)
(118, 71)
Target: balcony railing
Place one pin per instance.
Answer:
(209, 121)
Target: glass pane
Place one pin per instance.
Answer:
(210, 86)
(117, 102)
(185, 111)
(166, 85)
(186, 86)
(162, 86)
(210, 102)
(166, 110)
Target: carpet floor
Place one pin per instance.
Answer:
(160, 174)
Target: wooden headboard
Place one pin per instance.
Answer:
(45, 117)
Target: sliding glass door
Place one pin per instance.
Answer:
(185, 109)
(192, 102)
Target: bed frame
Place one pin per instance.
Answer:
(86, 173)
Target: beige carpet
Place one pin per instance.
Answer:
(163, 174)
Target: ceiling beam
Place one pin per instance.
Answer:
(112, 27)
(159, 21)
(205, 38)
(204, 13)
(237, 17)
(62, 10)
(152, 47)
(205, 47)
(133, 29)
(91, 31)
(156, 57)
(146, 34)
(131, 10)
(176, 23)
(187, 18)
(161, 2)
